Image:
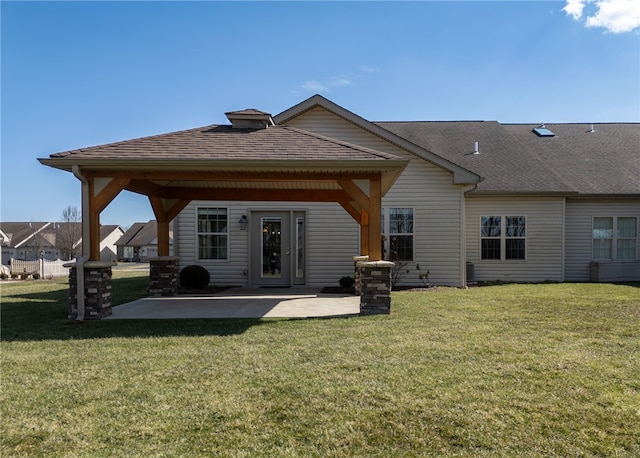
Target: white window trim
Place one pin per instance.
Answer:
(614, 238)
(197, 233)
(386, 233)
(503, 237)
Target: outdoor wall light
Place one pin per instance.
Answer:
(243, 223)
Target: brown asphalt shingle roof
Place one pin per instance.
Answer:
(222, 142)
(18, 232)
(513, 159)
(140, 234)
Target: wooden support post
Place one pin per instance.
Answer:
(163, 238)
(94, 224)
(364, 233)
(164, 211)
(97, 202)
(375, 218)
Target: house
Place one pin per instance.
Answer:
(140, 242)
(33, 240)
(26, 240)
(290, 199)
(109, 235)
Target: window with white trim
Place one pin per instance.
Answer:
(397, 232)
(212, 233)
(615, 238)
(503, 237)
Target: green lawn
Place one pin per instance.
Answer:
(512, 370)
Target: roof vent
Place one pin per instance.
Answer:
(250, 119)
(542, 131)
(591, 129)
(476, 148)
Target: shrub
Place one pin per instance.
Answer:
(3, 276)
(14, 275)
(347, 282)
(24, 276)
(36, 276)
(194, 277)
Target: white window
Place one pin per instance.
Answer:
(503, 237)
(213, 233)
(614, 238)
(397, 231)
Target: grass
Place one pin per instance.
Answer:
(511, 370)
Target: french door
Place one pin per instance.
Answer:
(277, 248)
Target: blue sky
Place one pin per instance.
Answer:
(77, 74)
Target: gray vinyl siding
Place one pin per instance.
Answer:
(544, 238)
(332, 241)
(578, 232)
(423, 186)
(223, 272)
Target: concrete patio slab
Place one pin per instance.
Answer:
(241, 303)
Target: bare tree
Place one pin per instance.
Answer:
(69, 232)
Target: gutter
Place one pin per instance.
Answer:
(81, 260)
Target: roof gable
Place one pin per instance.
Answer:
(19, 233)
(141, 234)
(460, 174)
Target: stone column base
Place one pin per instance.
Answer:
(97, 290)
(356, 273)
(375, 298)
(163, 276)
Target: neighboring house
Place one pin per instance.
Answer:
(468, 201)
(139, 242)
(109, 235)
(33, 240)
(27, 241)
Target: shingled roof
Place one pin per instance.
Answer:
(514, 160)
(219, 143)
(140, 234)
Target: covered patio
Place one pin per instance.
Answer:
(250, 160)
(242, 303)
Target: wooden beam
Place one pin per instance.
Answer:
(146, 188)
(351, 209)
(176, 208)
(196, 175)
(355, 192)
(262, 195)
(109, 192)
(164, 212)
(375, 218)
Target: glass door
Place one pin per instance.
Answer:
(271, 248)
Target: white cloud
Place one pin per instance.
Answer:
(339, 81)
(616, 16)
(368, 70)
(574, 8)
(315, 86)
(326, 85)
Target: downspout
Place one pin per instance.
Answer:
(463, 234)
(463, 241)
(80, 260)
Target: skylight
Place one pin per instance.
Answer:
(543, 132)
